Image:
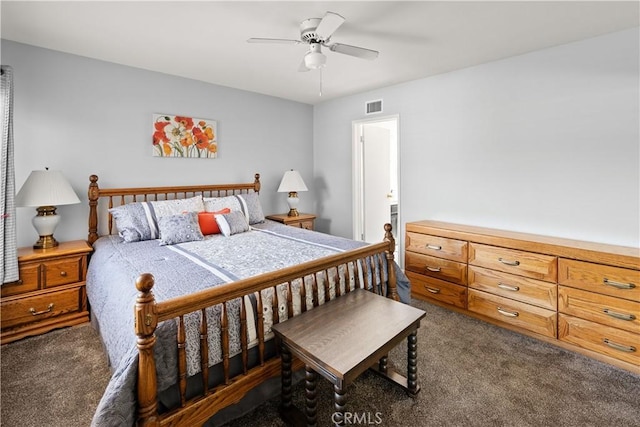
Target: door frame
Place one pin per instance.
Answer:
(356, 179)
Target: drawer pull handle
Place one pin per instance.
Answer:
(434, 269)
(434, 247)
(38, 313)
(432, 290)
(63, 273)
(507, 262)
(618, 284)
(508, 287)
(621, 316)
(625, 348)
(507, 312)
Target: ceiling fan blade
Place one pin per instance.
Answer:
(330, 23)
(358, 52)
(281, 41)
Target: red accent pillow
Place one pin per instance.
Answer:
(207, 221)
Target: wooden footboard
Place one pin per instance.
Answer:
(351, 269)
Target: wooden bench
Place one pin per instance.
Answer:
(341, 339)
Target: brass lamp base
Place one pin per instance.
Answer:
(293, 201)
(46, 242)
(293, 212)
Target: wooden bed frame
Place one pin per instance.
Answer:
(367, 260)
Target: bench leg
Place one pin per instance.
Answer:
(287, 392)
(412, 364)
(340, 401)
(310, 395)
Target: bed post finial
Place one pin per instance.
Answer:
(392, 291)
(256, 183)
(93, 194)
(146, 320)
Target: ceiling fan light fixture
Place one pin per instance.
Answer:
(315, 60)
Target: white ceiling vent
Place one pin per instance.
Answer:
(373, 107)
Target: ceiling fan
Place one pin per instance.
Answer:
(316, 33)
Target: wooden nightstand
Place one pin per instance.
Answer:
(50, 293)
(301, 221)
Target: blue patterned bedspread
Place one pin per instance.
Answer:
(178, 270)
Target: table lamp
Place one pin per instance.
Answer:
(292, 183)
(45, 189)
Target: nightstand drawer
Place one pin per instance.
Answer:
(527, 264)
(28, 282)
(62, 272)
(439, 268)
(20, 311)
(455, 250)
(307, 225)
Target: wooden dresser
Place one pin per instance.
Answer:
(579, 295)
(50, 292)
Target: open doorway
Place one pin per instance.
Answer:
(375, 179)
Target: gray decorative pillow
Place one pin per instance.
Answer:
(179, 228)
(139, 220)
(132, 222)
(254, 208)
(232, 223)
(249, 204)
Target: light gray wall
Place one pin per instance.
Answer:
(546, 142)
(83, 117)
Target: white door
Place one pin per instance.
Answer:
(376, 182)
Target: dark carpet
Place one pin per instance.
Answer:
(471, 373)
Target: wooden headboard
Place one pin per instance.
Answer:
(121, 196)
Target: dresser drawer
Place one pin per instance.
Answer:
(610, 311)
(439, 290)
(604, 279)
(527, 264)
(455, 250)
(18, 311)
(439, 268)
(62, 271)
(530, 291)
(525, 316)
(307, 225)
(622, 345)
(28, 282)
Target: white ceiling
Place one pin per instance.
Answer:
(206, 40)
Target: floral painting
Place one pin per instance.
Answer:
(179, 136)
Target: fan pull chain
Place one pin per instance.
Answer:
(320, 94)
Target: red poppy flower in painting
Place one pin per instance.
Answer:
(186, 122)
(178, 136)
(159, 135)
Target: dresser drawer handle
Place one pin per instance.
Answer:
(63, 273)
(618, 284)
(38, 313)
(434, 247)
(508, 287)
(432, 290)
(434, 269)
(507, 262)
(621, 316)
(625, 348)
(507, 312)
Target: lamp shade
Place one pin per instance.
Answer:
(46, 188)
(291, 181)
